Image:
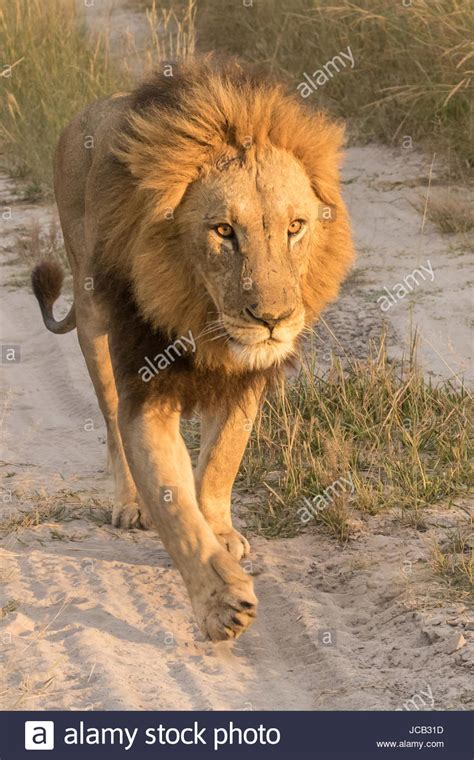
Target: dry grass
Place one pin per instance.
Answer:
(413, 65)
(405, 443)
(172, 33)
(53, 68)
(453, 558)
(39, 507)
(169, 36)
(54, 73)
(412, 74)
(37, 243)
(9, 607)
(450, 212)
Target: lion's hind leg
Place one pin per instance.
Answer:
(128, 512)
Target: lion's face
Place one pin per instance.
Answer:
(250, 229)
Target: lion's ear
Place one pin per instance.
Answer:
(325, 158)
(316, 142)
(326, 187)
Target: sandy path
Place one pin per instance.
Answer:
(386, 190)
(103, 622)
(98, 618)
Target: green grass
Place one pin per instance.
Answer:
(406, 444)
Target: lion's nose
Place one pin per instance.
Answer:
(267, 319)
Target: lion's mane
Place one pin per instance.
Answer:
(182, 123)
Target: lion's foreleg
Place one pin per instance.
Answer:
(221, 593)
(224, 436)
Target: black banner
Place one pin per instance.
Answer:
(319, 735)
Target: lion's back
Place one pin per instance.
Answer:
(82, 147)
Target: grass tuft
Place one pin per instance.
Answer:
(401, 442)
(453, 559)
(36, 243)
(449, 211)
(39, 507)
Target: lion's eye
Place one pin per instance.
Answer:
(295, 226)
(225, 230)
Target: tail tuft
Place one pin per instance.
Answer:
(47, 279)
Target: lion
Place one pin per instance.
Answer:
(205, 229)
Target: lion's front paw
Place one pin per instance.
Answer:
(235, 543)
(226, 606)
(131, 516)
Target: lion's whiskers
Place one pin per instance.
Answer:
(218, 337)
(210, 327)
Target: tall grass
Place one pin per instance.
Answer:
(414, 63)
(405, 443)
(53, 67)
(52, 70)
(171, 33)
(413, 72)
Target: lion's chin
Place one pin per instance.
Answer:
(261, 355)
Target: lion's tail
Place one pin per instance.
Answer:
(47, 279)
